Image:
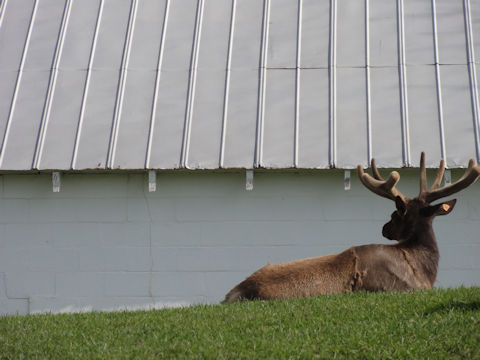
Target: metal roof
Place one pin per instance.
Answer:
(150, 84)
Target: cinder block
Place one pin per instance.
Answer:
(133, 284)
(26, 235)
(91, 258)
(14, 260)
(76, 234)
(447, 233)
(24, 284)
(52, 259)
(139, 211)
(472, 204)
(189, 185)
(458, 256)
(241, 208)
(27, 186)
(73, 186)
(137, 185)
(298, 184)
(78, 210)
(13, 306)
(176, 234)
(214, 259)
(233, 233)
(226, 258)
(457, 277)
(94, 185)
(125, 234)
(164, 258)
(151, 209)
(14, 211)
(83, 284)
(292, 233)
(3, 286)
(114, 258)
(178, 284)
(200, 209)
(356, 208)
(127, 259)
(381, 208)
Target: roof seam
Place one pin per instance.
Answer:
(403, 82)
(87, 84)
(3, 6)
(332, 64)
(472, 75)
(297, 83)
(17, 84)
(192, 85)
(262, 85)
(367, 81)
(227, 85)
(157, 86)
(438, 82)
(52, 85)
(121, 86)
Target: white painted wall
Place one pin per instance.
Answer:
(105, 242)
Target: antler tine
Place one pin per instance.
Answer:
(375, 172)
(423, 175)
(438, 179)
(469, 177)
(384, 188)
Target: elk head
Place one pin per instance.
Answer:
(412, 213)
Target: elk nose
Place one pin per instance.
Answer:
(386, 232)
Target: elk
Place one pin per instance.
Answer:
(411, 263)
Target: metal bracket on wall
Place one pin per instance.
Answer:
(152, 181)
(447, 177)
(56, 181)
(249, 180)
(346, 180)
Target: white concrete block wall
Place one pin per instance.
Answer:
(105, 242)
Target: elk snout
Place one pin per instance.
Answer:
(387, 231)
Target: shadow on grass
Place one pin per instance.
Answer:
(454, 306)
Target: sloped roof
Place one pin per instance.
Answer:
(150, 84)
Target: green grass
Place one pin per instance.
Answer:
(434, 324)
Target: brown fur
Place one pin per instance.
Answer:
(372, 267)
(307, 277)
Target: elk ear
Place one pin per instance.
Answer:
(445, 208)
(400, 204)
(439, 209)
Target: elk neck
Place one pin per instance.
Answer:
(422, 235)
(421, 245)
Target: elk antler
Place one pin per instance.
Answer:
(469, 177)
(378, 185)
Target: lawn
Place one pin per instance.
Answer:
(434, 324)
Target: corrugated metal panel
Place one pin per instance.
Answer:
(135, 84)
